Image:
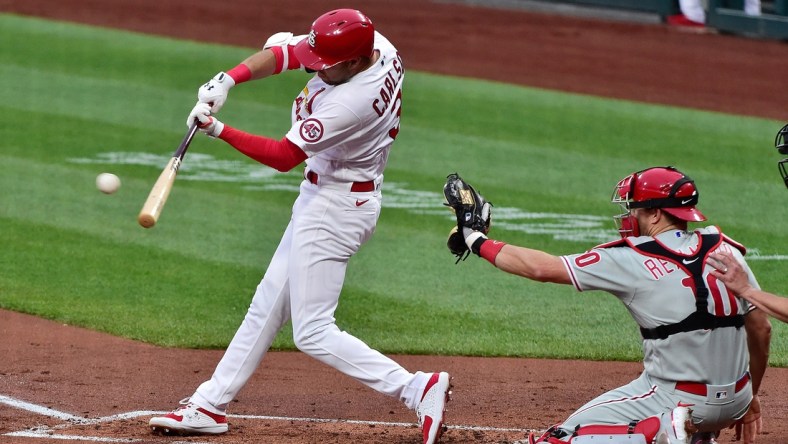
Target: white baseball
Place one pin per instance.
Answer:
(107, 183)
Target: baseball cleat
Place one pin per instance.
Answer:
(189, 419)
(432, 406)
(704, 438)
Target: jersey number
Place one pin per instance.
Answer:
(398, 103)
(587, 259)
(717, 289)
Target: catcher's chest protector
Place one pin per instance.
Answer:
(693, 265)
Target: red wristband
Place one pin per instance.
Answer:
(490, 249)
(240, 73)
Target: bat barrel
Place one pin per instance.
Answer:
(153, 206)
(146, 220)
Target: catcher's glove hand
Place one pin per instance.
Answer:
(457, 245)
(471, 209)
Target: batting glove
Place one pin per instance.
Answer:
(215, 91)
(207, 124)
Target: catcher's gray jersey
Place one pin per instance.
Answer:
(659, 292)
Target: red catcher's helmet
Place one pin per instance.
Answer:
(665, 188)
(335, 37)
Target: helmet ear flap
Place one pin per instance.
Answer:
(628, 225)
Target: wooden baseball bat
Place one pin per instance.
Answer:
(151, 210)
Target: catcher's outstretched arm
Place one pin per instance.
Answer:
(474, 216)
(532, 264)
(526, 262)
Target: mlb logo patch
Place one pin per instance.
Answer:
(721, 394)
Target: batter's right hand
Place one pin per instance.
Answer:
(207, 124)
(214, 92)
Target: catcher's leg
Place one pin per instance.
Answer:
(669, 428)
(637, 432)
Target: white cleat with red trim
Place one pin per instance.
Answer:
(189, 419)
(432, 406)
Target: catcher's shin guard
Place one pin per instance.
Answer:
(637, 432)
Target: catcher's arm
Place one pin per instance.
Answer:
(470, 235)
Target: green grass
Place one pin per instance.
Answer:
(84, 100)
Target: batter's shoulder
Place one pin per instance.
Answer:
(382, 43)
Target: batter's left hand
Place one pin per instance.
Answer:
(750, 425)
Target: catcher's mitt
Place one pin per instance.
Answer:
(472, 211)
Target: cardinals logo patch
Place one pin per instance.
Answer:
(311, 130)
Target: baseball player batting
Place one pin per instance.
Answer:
(700, 375)
(344, 122)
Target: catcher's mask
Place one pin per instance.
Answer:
(781, 143)
(665, 188)
(335, 37)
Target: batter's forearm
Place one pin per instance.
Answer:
(260, 64)
(281, 155)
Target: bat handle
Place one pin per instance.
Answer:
(187, 139)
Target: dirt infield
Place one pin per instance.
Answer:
(58, 381)
(111, 385)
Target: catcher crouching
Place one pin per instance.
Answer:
(689, 391)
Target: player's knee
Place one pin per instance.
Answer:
(303, 342)
(308, 338)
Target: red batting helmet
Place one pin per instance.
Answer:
(665, 188)
(335, 37)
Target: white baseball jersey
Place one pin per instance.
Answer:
(658, 292)
(347, 130)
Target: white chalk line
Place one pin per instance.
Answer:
(375, 423)
(50, 432)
